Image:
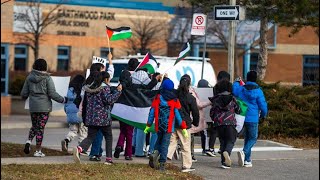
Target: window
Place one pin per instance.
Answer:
(117, 71)
(104, 52)
(254, 61)
(20, 57)
(310, 70)
(4, 68)
(63, 58)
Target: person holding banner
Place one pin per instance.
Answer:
(97, 103)
(202, 122)
(188, 107)
(40, 89)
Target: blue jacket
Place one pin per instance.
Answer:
(254, 97)
(71, 109)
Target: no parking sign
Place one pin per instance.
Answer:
(198, 24)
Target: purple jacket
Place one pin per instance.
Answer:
(97, 104)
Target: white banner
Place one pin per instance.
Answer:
(61, 84)
(204, 94)
(198, 24)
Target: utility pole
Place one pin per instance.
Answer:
(231, 44)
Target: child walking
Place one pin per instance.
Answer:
(96, 112)
(39, 87)
(164, 111)
(222, 112)
(71, 108)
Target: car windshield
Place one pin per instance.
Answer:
(117, 71)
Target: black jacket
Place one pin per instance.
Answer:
(189, 106)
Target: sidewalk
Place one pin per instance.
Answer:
(24, 122)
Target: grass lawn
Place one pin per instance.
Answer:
(16, 150)
(304, 142)
(92, 171)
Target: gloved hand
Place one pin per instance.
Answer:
(185, 133)
(146, 130)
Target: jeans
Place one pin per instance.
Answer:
(125, 136)
(96, 149)
(139, 138)
(92, 133)
(212, 133)
(153, 141)
(203, 139)
(250, 138)
(227, 137)
(162, 145)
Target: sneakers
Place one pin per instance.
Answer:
(117, 152)
(84, 153)
(227, 159)
(204, 152)
(240, 158)
(76, 154)
(211, 153)
(187, 169)
(27, 147)
(128, 158)
(95, 158)
(108, 161)
(64, 145)
(224, 166)
(247, 164)
(194, 159)
(38, 154)
(153, 159)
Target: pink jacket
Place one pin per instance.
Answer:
(201, 105)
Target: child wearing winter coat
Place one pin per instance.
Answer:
(164, 112)
(223, 110)
(40, 89)
(71, 108)
(97, 103)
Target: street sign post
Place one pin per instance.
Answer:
(198, 24)
(226, 12)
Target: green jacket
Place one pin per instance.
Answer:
(39, 87)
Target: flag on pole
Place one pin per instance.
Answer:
(119, 33)
(184, 52)
(150, 63)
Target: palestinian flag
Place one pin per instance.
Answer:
(241, 117)
(119, 33)
(133, 107)
(184, 52)
(150, 63)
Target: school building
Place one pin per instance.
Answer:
(79, 33)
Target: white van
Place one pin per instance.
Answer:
(189, 65)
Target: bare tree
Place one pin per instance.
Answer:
(146, 30)
(35, 22)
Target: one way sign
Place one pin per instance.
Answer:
(226, 12)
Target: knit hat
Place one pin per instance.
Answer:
(252, 76)
(167, 84)
(203, 83)
(223, 75)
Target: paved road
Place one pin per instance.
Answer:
(303, 164)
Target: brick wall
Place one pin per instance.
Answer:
(306, 35)
(5, 105)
